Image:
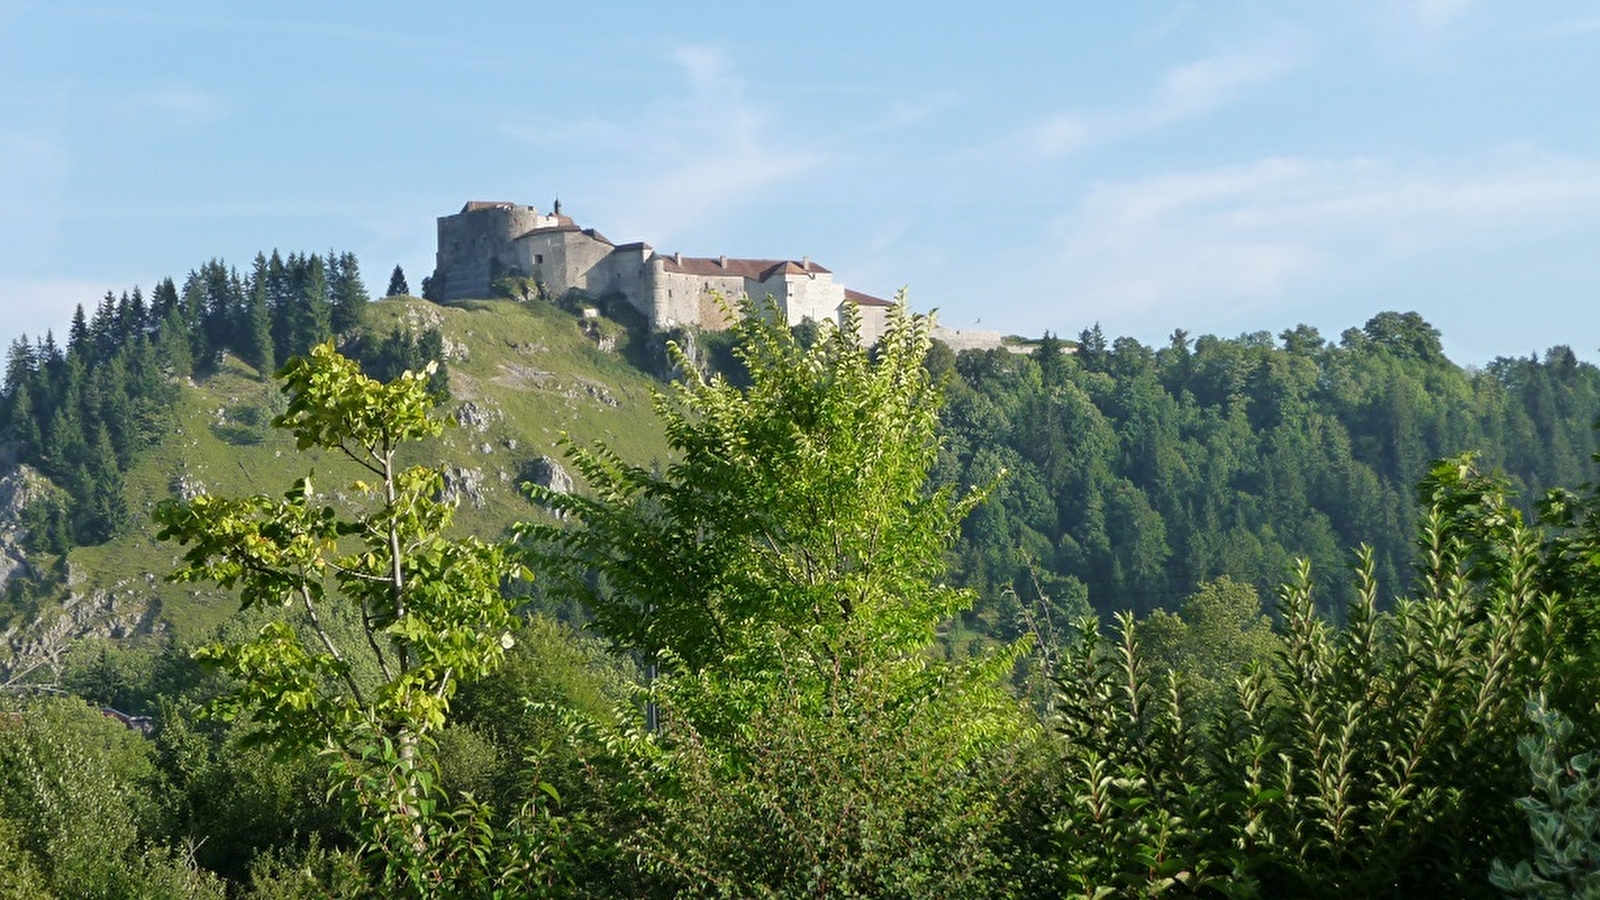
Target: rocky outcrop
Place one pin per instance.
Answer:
(463, 484)
(19, 487)
(473, 417)
(124, 610)
(548, 473)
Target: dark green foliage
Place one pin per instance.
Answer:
(78, 798)
(806, 706)
(397, 284)
(1563, 815)
(348, 293)
(403, 351)
(1375, 760)
(1143, 473)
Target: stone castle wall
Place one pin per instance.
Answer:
(487, 240)
(477, 242)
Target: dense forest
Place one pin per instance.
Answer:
(888, 623)
(1133, 475)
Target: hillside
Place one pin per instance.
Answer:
(1133, 475)
(520, 375)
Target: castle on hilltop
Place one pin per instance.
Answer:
(489, 240)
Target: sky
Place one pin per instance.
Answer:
(1221, 167)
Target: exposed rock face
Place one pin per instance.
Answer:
(471, 415)
(548, 473)
(125, 609)
(463, 484)
(18, 488)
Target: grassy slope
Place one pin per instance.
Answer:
(529, 367)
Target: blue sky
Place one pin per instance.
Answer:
(1220, 167)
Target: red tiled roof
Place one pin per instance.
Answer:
(860, 299)
(757, 269)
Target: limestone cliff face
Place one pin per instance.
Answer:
(121, 610)
(19, 487)
(124, 610)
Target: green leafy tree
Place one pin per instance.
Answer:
(427, 613)
(397, 284)
(1219, 633)
(77, 806)
(785, 572)
(1563, 815)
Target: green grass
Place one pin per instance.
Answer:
(529, 366)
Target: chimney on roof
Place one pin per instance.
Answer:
(677, 258)
(805, 263)
(557, 207)
(722, 261)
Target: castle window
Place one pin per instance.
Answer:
(538, 259)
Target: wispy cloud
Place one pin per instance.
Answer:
(699, 149)
(1424, 31)
(1189, 91)
(1568, 28)
(1250, 234)
(714, 148)
(179, 104)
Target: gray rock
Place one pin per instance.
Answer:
(463, 484)
(548, 473)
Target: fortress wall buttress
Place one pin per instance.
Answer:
(625, 271)
(583, 255)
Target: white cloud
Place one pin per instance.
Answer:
(1252, 234)
(1189, 91)
(697, 151)
(1425, 31)
(713, 147)
(179, 104)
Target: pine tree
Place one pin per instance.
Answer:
(24, 422)
(280, 300)
(258, 349)
(134, 316)
(78, 333)
(162, 300)
(313, 313)
(20, 364)
(173, 345)
(349, 293)
(397, 284)
(192, 306)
